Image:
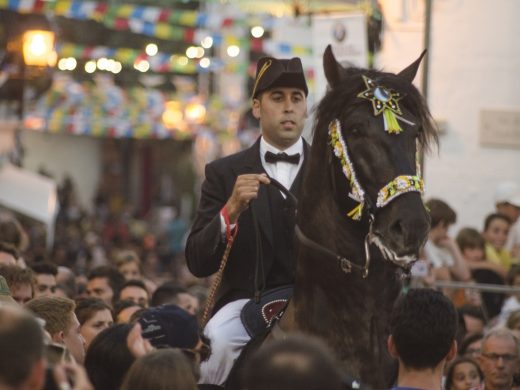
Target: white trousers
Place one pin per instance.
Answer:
(228, 336)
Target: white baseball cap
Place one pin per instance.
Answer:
(508, 192)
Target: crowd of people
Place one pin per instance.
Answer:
(113, 305)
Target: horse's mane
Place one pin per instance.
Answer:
(344, 95)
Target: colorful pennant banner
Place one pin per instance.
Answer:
(152, 21)
(160, 63)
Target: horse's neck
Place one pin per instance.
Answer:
(324, 293)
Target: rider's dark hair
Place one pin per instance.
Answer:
(423, 326)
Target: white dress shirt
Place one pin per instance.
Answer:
(282, 171)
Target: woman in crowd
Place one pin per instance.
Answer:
(109, 357)
(94, 316)
(129, 264)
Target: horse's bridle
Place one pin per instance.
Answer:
(345, 264)
(400, 185)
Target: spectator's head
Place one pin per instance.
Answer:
(21, 282)
(13, 240)
(471, 244)
(496, 229)
(22, 362)
(499, 359)
(474, 319)
(463, 374)
(124, 309)
(45, 279)
(170, 293)
(66, 281)
(513, 323)
(105, 282)
(294, 363)
(94, 316)
(135, 290)
(129, 264)
(165, 369)
(442, 217)
(61, 323)
(423, 326)
(108, 358)
(170, 326)
(471, 346)
(507, 200)
(5, 294)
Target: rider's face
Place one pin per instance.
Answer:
(282, 113)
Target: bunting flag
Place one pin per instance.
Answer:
(103, 109)
(159, 63)
(147, 20)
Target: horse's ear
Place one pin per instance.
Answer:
(331, 67)
(410, 71)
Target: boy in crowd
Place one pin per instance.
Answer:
(423, 326)
(496, 230)
(440, 249)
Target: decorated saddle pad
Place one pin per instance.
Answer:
(257, 316)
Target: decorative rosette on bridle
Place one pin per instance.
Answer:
(384, 100)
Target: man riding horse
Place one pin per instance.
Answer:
(224, 215)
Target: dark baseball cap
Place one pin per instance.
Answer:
(272, 73)
(170, 326)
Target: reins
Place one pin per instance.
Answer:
(346, 265)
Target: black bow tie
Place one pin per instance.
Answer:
(290, 158)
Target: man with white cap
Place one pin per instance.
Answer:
(507, 202)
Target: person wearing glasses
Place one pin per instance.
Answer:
(499, 359)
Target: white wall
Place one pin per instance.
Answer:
(61, 155)
(474, 64)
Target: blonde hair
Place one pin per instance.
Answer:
(56, 311)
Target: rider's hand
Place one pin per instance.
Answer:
(245, 189)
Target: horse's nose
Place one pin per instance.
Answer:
(410, 233)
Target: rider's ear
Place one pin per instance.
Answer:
(410, 71)
(256, 108)
(331, 67)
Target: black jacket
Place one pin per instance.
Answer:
(205, 247)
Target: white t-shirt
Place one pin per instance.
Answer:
(439, 257)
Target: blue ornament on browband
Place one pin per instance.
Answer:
(384, 100)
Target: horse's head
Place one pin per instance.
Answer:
(377, 126)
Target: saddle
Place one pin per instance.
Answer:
(257, 316)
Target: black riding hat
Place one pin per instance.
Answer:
(272, 72)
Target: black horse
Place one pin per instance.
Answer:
(361, 220)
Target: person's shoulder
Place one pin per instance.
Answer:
(232, 159)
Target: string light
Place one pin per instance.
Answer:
(90, 66)
(205, 63)
(233, 50)
(257, 31)
(207, 42)
(151, 49)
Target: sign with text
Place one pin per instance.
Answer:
(347, 34)
(500, 128)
